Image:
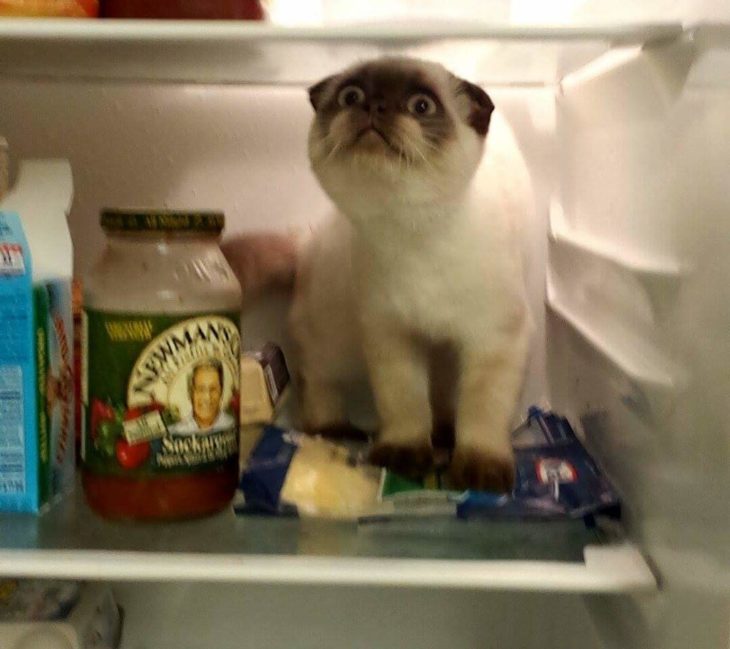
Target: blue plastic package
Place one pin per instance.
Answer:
(556, 479)
(263, 478)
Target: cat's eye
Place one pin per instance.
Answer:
(421, 105)
(351, 96)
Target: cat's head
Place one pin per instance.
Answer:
(396, 129)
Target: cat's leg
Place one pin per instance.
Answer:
(327, 365)
(324, 330)
(398, 371)
(489, 387)
(323, 409)
(443, 376)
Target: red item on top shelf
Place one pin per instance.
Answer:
(195, 9)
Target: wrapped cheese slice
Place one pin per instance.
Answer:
(293, 474)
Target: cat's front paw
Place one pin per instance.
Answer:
(481, 470)
(412, 461)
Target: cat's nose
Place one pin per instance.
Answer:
(380, 107)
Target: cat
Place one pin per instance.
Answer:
(416, 280)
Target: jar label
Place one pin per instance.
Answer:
(160, 393)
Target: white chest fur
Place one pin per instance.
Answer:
(442, 273)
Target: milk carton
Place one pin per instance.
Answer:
(36, 338)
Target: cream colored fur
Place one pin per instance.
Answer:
(420, 254)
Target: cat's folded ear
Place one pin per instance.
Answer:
(476, 105)
(316, 92)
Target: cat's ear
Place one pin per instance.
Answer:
(317, 90)
(475, 105)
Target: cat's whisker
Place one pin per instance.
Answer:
(408, 149)
(430, 145)
(333, 151)
(422, 156)
(411, 144)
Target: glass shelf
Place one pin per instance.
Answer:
(241, 52)
(70, 541)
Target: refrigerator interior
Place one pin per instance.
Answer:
(628, 248)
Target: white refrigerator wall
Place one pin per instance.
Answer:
(639, 303)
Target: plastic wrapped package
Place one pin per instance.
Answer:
(556, 479)
(55, 614)
(37, 600)
(264, 381)
(289, 473)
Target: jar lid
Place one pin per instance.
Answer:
(122, 220)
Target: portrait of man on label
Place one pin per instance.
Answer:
(205, 389)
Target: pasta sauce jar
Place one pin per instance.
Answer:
(160, 369)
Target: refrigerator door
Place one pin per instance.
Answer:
(639, 307)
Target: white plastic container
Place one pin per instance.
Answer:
(88, 617)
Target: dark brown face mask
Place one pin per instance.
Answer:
(377, 96)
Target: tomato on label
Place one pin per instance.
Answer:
(100, 412)
(132, 413)
(102, 409)
(130, 456)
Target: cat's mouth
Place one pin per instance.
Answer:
(372, 136)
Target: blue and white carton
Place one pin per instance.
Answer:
(36, 339)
